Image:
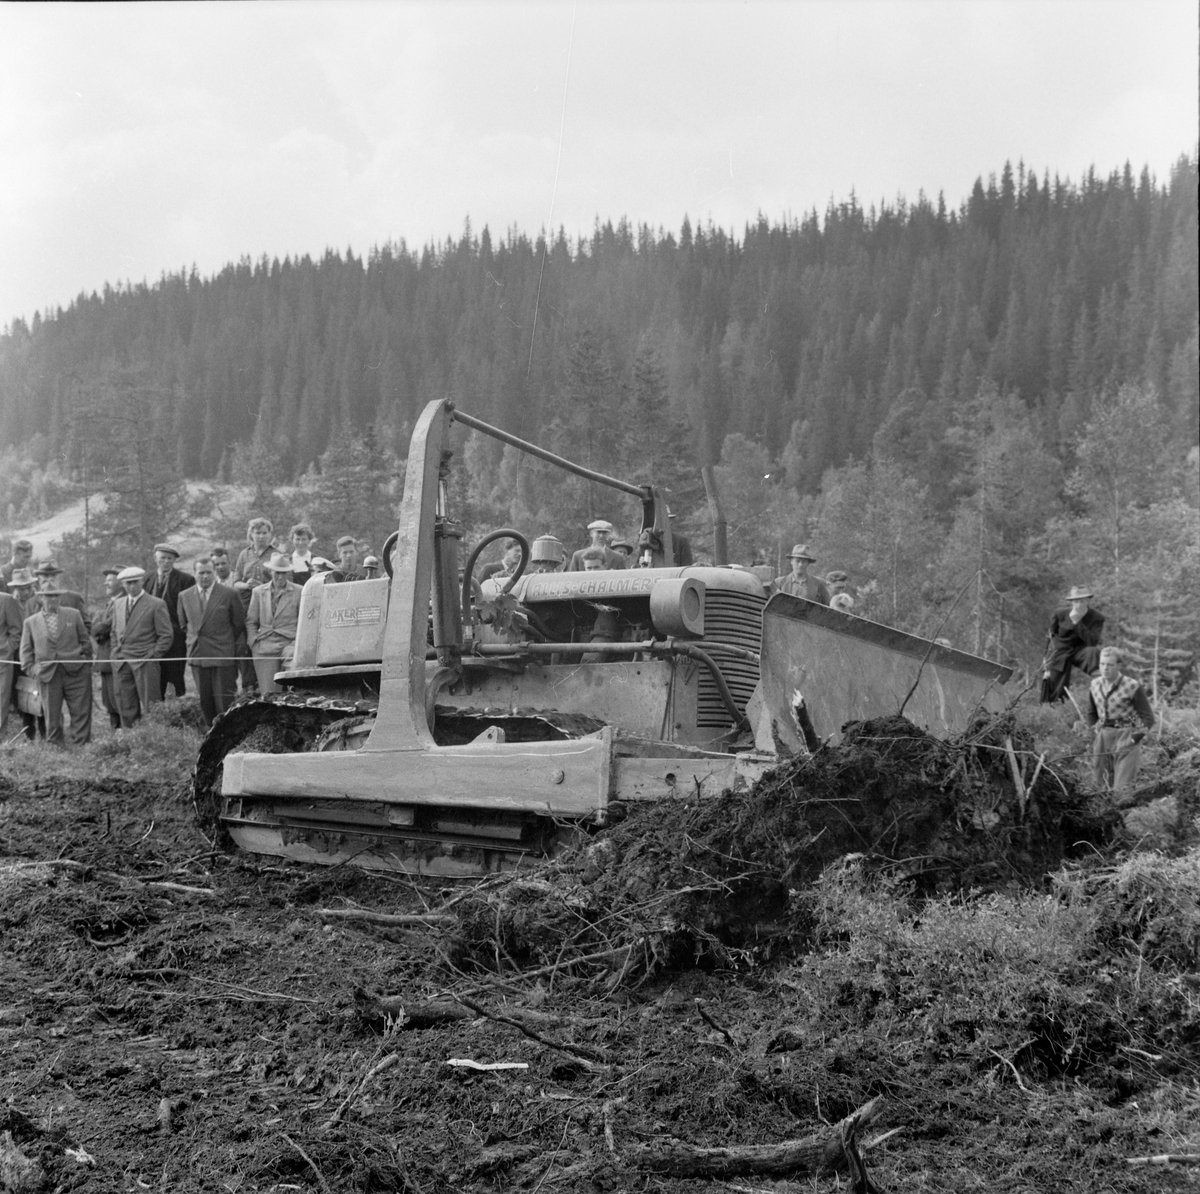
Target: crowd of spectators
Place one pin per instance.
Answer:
(232, 624)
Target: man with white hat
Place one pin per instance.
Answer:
(800, 582)
(56, 650)
(601, 534)
(1116, 703)
(271, 622)
(167, 584)
(1073, 641)
(141, 636)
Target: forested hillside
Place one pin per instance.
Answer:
(966, 409)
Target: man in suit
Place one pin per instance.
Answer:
(141, 636)
(22, 587)
(166, 584)
(213, 620)
(12, 617)
(102, 626)
(57, 651)
(272, 621)
(48, 573)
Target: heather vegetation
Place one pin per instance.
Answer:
(965, 408)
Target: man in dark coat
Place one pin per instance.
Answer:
(166, 584)
(56, 650)
(1074, 641)
(102, 626)
(213, 619)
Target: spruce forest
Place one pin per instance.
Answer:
(965, 409)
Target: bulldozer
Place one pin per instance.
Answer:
(432, 725)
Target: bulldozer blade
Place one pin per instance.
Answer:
(832, 668)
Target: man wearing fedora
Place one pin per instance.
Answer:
(166, 584)
(102, 626)
(1073, 642)
(212, 616)
(48, 574)
(272, 620)
(56, 650)
(800, 582)
(601, 534)
(1116, 703)
(141, 636)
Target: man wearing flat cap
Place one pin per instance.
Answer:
(1073, 642)
(600, 532)
(22, 555)
(48, 574)
(166, 584)
(141, 636)
(800, 582)
(56, 650)
(102, 626)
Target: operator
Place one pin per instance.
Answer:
(546, 554)
(1074, 641)
(271, 622)
(800, 582)
(593, 559)
(1115, 704)
(601, 533)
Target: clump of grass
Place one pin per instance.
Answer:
(1066, 979)
(161, 748)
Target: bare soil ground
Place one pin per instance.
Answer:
(176, 1019)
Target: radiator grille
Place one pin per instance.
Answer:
(735, 619)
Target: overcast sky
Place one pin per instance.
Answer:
(138, 139)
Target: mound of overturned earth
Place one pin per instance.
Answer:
(680, 883)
